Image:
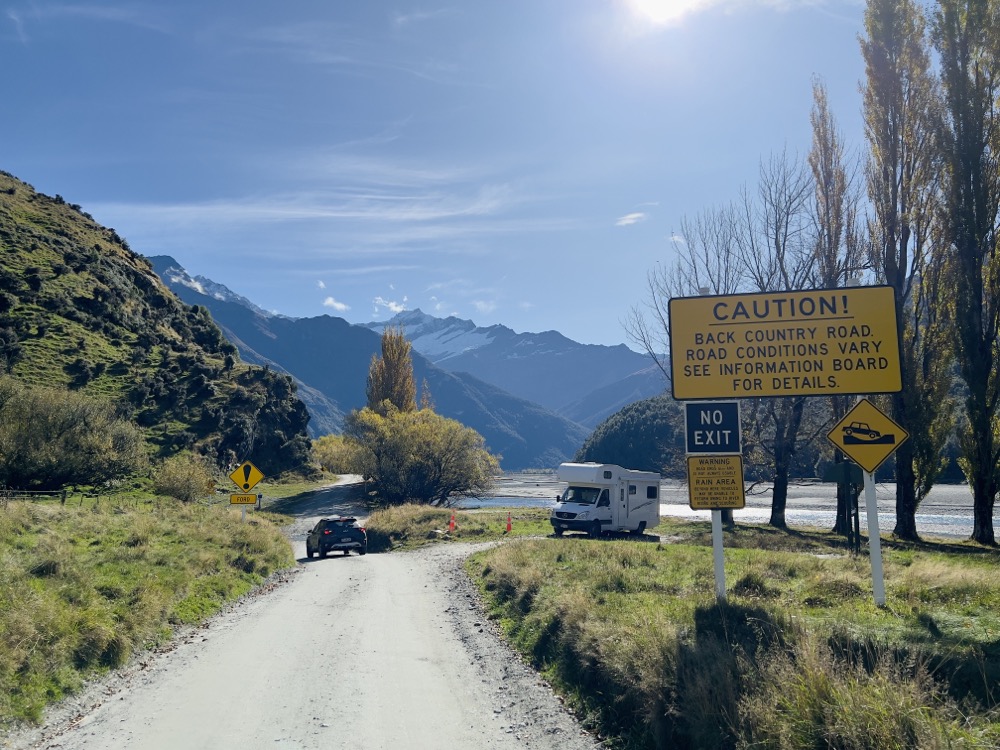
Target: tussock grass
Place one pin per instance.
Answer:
(83, 588)
(798, 657)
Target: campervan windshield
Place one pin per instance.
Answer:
(582, 495)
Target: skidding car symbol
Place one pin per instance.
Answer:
(861, 428)
(861, 433)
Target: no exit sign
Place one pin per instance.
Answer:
(713, 427)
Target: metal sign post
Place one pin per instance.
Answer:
(874, 540)
(718, 559)
(868, 437)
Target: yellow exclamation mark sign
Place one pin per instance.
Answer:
(246, 476)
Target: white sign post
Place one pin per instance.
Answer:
(874, 540)
(868, 437)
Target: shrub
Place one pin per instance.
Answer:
(185, 477)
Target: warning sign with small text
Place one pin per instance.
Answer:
(715, 482)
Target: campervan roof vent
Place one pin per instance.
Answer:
(607, 474)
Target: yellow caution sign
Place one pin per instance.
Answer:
(242, 499)
(867, 435)
(715, 482)
(246, 476)
(822, 342)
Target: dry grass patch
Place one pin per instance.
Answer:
(86, 587)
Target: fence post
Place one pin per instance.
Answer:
(63, 499)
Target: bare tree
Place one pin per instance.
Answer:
(706, 264)
(775, 251)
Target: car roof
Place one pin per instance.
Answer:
(339, 519)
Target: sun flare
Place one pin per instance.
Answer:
(663, 12)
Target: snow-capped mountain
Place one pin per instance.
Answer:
(174, 275)
(547, 368)
(439, 339)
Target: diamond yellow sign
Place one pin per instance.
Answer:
(867, 435)
(246, 476)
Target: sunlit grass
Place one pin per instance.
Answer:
(799, 656)
(86, 587)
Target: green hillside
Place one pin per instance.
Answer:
(79, 309)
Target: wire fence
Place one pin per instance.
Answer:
(63, 497)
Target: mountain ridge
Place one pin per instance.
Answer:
(329, 356)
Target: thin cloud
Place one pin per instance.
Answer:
(343, 47)
(484, 306)
(630, 219)
(15, 17)
(144, 18)
(335, 305)
(334, 204)
(400, 19)
(321, 284)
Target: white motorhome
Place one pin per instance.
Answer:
(606, 497)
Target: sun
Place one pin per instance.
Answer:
(663, 12)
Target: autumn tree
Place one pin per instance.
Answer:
(419, 456)
(390, 377)
(335, 453)
(900, 110)
(965, 36)
(839, 244)
(408, 454)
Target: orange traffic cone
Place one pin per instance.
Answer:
(508, 522)
(451, 523)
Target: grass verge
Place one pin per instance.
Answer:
(410, 526)
(798, 657)
(82, 588)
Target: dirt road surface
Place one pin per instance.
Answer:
(369, 653)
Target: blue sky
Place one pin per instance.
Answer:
(522, 162)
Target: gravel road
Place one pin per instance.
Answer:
(380, 651)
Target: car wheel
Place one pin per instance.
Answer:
(322, 552)
(641, 530)
(557, 532)
(363, 551)
(309, 552)
(346, 552)
(595, 529)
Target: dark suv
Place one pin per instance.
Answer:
(341, 533)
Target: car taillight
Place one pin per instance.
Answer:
(326, 531)
(362, 528)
